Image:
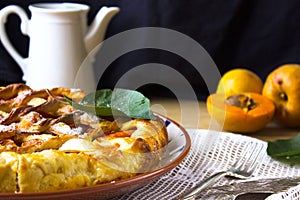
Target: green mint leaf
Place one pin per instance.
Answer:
(287, 151)
(97, 110)
(106, 102)
(287, 147)
(291, 160)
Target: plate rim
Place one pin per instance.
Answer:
(146, 177)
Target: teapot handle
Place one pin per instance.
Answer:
(3, 36)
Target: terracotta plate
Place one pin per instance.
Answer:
(178, 147)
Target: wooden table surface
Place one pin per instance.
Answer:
(193, 114)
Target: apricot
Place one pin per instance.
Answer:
(239, 80)
(282, 86)
(244, 113)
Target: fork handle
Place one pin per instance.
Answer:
(194, 191)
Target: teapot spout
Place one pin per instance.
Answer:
(97, 29)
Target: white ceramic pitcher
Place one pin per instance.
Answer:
(60, 41)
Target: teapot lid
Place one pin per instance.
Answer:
(58, 7)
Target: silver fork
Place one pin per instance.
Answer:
(243, 168)
(260, 186)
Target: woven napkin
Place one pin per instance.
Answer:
(212, 151)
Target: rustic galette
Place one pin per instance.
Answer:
(47, 144)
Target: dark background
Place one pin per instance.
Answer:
(256, 34)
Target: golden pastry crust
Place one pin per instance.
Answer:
(8, 172)
(51, 170)
(46, 144)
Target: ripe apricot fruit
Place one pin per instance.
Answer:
(244, 113)
(282, 86)
(239, 80)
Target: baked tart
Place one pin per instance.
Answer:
(48, 143)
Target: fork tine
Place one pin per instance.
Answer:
(241, 160)
(249, 159)
(256, 155)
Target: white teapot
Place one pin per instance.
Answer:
(60, 41)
